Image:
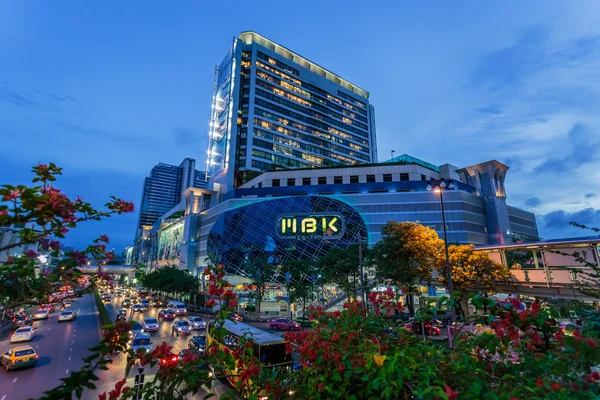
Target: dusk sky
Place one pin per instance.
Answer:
(108, 89)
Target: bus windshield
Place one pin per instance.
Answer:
(274, 354)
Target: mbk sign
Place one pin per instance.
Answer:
(316, 226)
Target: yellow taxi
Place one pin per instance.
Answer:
(19, 357)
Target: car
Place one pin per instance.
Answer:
(19, 357)
(181, 327)
(20, 320)
(137, 308)
(166, 315)
(23, 334)
(121, 315)
(198, 343)
(285, 324)
(67, 304)
(106, 300)
(67, 316)
(145, 303)
(416, 327)
(150, 325)
(306, 322)
(156, 303)
(197, 323)
(126, 303)
(136, 328)
(41, 313)
(235, 317)
(141, 341)
(50, 307)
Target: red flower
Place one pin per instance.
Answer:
(163, 350)
(102, 396)
(539, 382)
(515, 303)
(233, 303)
(451, 394)
(3, 213)
(103, 238)
(12, 195)
(555, 386)
(535, 308)
(206, 271)
(320, 386)
(210, 302)
(31, 253)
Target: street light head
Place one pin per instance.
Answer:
(437, 190)
(429, 187)
(451, 186)
(443, 184)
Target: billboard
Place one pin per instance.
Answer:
(169, 244)
(129, 255)
(220, 135)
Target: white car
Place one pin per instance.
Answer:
(67, 304)
(197, 323)
(42, 313)
(150, 325)
(67, 316)
(181, 328)
(141, 341)
(23, 334)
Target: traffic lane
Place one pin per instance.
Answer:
(60, 347)
(117, 368)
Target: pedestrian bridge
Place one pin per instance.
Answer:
(111, 269)
(557, 268)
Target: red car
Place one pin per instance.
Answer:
(166, 315)
(235, 317)
(416, 327)
(285, 324)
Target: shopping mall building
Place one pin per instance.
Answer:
(293, 170)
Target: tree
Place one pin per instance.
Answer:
(406, 254)
(260, 272)
(300, 286)
(342, 267)
(171, 280)
(469, 268)
(47, 214)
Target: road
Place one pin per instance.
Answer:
(116, 370)
(60, 347)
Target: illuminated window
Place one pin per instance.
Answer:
(347, 120)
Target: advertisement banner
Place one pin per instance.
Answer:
(169, 244)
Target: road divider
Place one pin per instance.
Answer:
(102, 311)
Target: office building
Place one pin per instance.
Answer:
(274, 109)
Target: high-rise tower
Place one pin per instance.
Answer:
(274, 109)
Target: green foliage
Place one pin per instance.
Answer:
(170, 280)
(342, 267)
(102, 311)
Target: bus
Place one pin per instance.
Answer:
(268, 348)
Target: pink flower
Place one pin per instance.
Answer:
(12, 195)
(3, 213)
(103, 238)
(43, 166)
(31, 253)
(54, 245)
(64, 230)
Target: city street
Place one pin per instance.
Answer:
(60, 347)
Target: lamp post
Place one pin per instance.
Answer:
(393, 151)
(439, 187)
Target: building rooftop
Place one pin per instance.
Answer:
(250, 37)
(406, 159)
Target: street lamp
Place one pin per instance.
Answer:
(393, 151)
(439, 187)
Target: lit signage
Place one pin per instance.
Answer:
(310, 226)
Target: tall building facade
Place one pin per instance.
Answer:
(164, 188)
(274, 109)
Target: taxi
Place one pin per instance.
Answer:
(19, 357)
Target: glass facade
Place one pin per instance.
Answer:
(291, 228)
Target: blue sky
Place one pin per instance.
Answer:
(108, 89)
